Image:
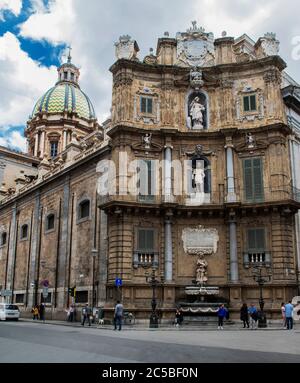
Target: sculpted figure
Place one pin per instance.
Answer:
(197, 110)
(201, 271)
(199, 175)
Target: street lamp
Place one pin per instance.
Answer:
(154, 282)
(261, 280)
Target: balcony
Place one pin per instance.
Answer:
(145, 259)
(257, 258)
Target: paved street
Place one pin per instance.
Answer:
(27, 342)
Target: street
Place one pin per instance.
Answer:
(27, 342)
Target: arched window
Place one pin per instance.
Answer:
(197, 111)
(50, 222)
(3, 239)
(84, 209)
(24, 232)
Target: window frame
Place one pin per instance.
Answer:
(3, 244)
(51, 143)
(81, 219)
(47, 230)
(23, 238)
(146, 253)
(254, 197)
(146, 112)
(248, 97)
(257, 252)
(152, 177)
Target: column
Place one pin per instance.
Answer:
(36, 144)
(65, 139)
(102, 259)
(231, 196)
(168, 251)
(168, 174)
(12, 250)
(42, 143)
(234, 267)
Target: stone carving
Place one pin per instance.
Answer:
(196, 110)
(201, 271)
(269, 44)
(200, 241)
(196, 80)
(195, 47)
(147, 139)
(126, 48)
(250, 141)
(198, 177)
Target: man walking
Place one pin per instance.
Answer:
(289, 309)
(253, 316)
(118, 315)
(222, 312)
(86, 313)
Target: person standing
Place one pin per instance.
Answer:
(283, 315)
(86, 313)
(35, 313)
(42, 311)
(222, 312)
(118, 315)
(289, 309)
(253, 316)
(245, 315)
(178, 317)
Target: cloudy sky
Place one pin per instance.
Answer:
(34, 35)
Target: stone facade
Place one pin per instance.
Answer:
(218, 102)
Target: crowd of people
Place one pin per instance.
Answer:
(38, 312)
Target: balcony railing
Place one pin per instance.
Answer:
(257, 258)
(145, 259)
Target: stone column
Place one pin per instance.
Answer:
(231, 196)
(65, 143)
(12, 250)
(168, 251)
(102, 259)
(42, 143)
(36, 144)
(168, 174)
(234, 267)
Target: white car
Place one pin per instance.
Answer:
(9, 311)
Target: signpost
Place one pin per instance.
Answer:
(119, 283)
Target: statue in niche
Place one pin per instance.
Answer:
(201, 271)
(197, 109)
(198, 177)
(147, 140)
(250, 140)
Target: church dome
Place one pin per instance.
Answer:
(65, 96)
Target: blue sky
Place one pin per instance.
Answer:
(34, 35)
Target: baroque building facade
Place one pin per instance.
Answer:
(194, 175)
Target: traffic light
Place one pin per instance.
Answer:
(72, 291)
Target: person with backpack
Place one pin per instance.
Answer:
(253, 316)
(222, 313)
(86, 315)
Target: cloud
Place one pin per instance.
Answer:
(22, 80)
(13, 6)
(14, 139)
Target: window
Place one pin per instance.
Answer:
(48, 299)
(253, 179)
(24, 232)
(72, 76)
(81, 297)
(250, 103)
(50, 222)
(53, 149)
(3, 239)
(84, 209)
(145, 253)
(66, 75)
(146, 180)
(146, 105)
(256, 252)
(19, 298)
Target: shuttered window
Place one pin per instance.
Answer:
(145, 240)
(256, 239)
(253, 179)
(146, 105)
(146, 180)
(249, 103)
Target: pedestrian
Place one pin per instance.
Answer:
(289, 309)
(86, 314)
(35, 313)
(283, 315)
(71, 313)
(245, 315)
(222, 313)
(178, 317)
(42, 311)
(118, 315)
(253, 316)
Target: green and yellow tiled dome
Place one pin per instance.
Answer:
(65, 97)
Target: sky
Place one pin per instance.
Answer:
(35, 34)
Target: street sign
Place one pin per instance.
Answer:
(45, 283)
(45, 292)
(118, 282)
(6, 293)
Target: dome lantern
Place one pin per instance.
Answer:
(68, 72)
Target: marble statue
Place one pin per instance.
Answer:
(250, 140)
(197, 110)
(147, 140)
(201, 271)
(199, 175)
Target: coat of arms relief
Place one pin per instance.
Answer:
(195, 47)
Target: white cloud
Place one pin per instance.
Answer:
(13, 6)
(14, 140)
(22, 81)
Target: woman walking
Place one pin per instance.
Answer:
(245, 315)
(283, 315)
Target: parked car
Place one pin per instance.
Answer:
(9, 311)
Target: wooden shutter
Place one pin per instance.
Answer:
(149, 105)
(143, 104)
(257, 178)
(146, 240)
(248, 179)
(253, 102)
(253, 179)
(256, 239)
(246, 104)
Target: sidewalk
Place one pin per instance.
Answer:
(164, 327)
